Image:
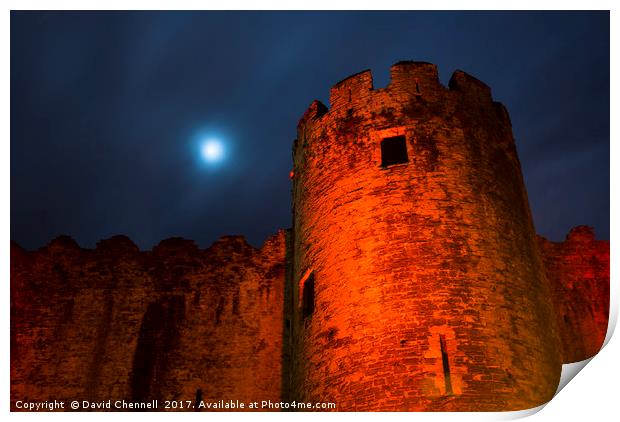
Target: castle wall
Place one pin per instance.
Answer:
(116, 323)
(578, 272)
(428, 292)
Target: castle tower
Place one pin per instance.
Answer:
(416, 284)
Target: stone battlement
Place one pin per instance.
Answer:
(407, 79)
(413, 94)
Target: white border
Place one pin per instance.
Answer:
(592, 395)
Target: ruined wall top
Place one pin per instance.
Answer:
(408, 79)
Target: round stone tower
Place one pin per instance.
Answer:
(416, 283)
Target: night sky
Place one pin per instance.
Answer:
(108, 111)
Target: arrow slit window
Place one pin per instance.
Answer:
(307, 296)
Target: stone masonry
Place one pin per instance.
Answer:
(578, 273)
(173, 323)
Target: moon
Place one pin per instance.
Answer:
(212, 151)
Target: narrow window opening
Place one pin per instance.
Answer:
(235, 303)
(446, 364)
(308, 297)
(219, 310)
(393, 151)
(417, 87)
(198, 401)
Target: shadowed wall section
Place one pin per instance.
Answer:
(578, 272)
(116, 323)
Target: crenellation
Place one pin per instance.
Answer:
(119, 244)
(581, 234)
(348, 92)
(414, 78)
(61, 245)
(472, 89)
(502, 113)
(316, 110)
(413, 93)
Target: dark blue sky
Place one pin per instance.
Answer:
(107, 109)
